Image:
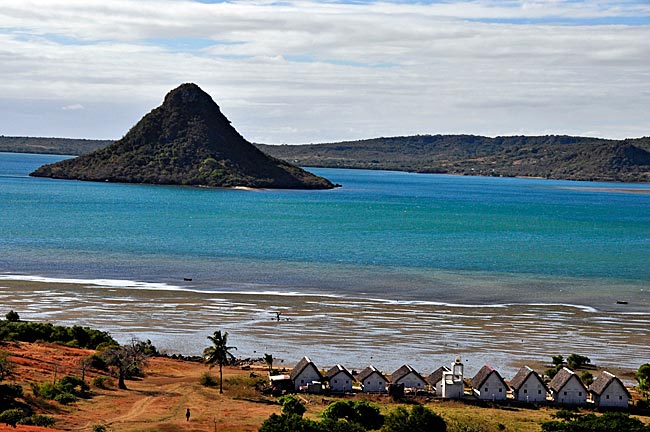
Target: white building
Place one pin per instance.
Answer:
(566, 388)
(435, 380)
(527, 386)
(340, 379)
(608, 391)
(372, 381)
(488, 384)
(304, 374)
(453, 386)
(408, 376)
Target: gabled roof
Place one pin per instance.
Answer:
(336, 370)
(483, 375)
(521, 377)
(603, 381)
(436, 375)
(562, 378)
(402, 372)
(301, 366)
(369, 371)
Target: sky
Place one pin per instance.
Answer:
(320, 71)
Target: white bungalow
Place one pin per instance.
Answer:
(453, 385)
(372, 380)
(435, 380)
(304, 374)
(566, 388)
(409, 377)
(340, 380)
(608, 391)
(488, 384)
(527, 386)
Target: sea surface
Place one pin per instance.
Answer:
(391, 268)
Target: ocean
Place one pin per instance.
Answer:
(391, 268)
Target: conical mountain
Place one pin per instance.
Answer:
(185, 141)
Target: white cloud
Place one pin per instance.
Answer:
(309, 71)
(73, 107)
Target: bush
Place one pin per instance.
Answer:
(82, 337)
(11, 417)
(37, 420)
(10, 391)
(65, 398)
(99, 428)
(576, 361)
(96, 361)
(12, 316)
(102, 382)
(291, 405)
(208, 380)
(362, 413)
(419, 419)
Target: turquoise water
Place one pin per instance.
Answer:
(381, 229)
(390, 268)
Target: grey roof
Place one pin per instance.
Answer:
(337, 369)
(302, 364)
(522, 376)
(436, 375)
(603, 381)
(562, 378)
(483, 375)
(402, 372)
(369, 371)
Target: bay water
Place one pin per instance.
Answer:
(391, 268)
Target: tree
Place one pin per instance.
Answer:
(291, 405)
(6, 366)
(558, 361)
(268, 359)
(362, 413)
(643, 377)
(576, 361)
(219, 353)
(420, 419)
(608, 422)
(12, 316)
(128, 360)
(587, 378)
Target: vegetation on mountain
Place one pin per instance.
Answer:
(75, 336)
(185, 141)
(553, 156)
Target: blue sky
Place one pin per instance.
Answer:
(309, 71)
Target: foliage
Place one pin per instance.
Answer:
(362, 413)
(37, 420)
(558, 360)
(6, 366)
(419, 419)
(295, 423)
(77, 336)
(12, 316)
(207, 380)
(608, 422)
(643, 377)
(65, 391)
(576, 361)
(219, 353)
(99, 428)
(587, 378)
(57, 146)
(127, 361)
(291, 405)
(10, 391)
(11, 417)
(102, 382)
(96, 361)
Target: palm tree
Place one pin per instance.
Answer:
(268, 359)
(219, 353)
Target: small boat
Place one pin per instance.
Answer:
(621, 302)
(187, 279)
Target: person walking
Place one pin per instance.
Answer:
(187, 414)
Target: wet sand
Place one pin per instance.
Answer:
(334, 329)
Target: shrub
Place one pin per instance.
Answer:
(11, 417)
(362, 413)
(291, 405)
(96, 361)
(576, 361)
(12, 316)
(99, 428)
(419, 419)
(10, 391)
(65, 398)
(208, 380)
(102, 382)
(37, 420)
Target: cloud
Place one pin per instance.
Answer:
(73, 107)
(316, 71)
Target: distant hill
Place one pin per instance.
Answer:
(553, 156)
(61, 146)
(185, 141)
